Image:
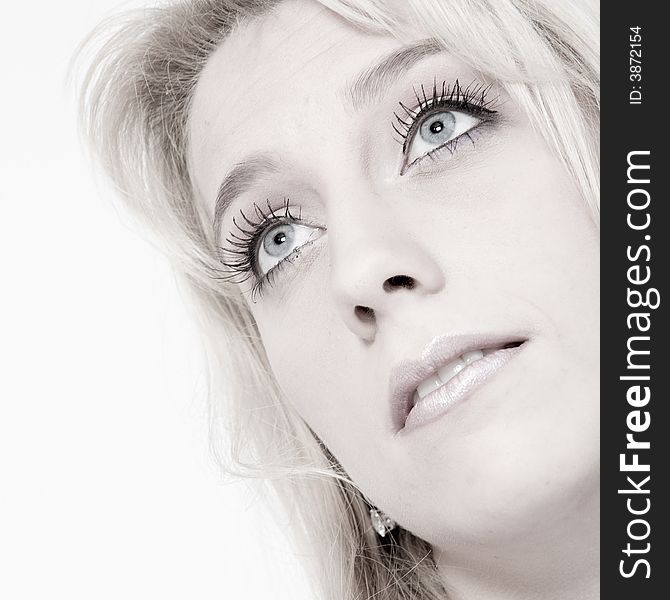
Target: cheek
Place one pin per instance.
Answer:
(541, 240)
(558, 253)
(303, 339)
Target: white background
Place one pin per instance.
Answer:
(107, 489)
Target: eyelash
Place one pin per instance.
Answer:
(239, 257)
(472, 99)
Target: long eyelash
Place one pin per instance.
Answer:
(238, 256)
(473, 98)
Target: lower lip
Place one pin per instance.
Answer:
(458, 388)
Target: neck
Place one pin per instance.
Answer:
(553, 562)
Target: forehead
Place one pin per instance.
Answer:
(279, 73)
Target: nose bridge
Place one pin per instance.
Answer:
(376, 257)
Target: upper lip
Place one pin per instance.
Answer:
(408, 374)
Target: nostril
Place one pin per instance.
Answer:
(399, 282)
(364, 314)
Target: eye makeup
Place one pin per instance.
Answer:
(264, 240)
(447, 114)
(261, 244)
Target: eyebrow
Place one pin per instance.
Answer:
(371, 84)
(362, 90)
(238, 180)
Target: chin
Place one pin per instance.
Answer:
(507, 469)
(500, 503)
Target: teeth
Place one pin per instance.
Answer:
(469, 357)
(430, 384)
(443, 375)
(446, 373)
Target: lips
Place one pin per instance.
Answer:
(450, 367)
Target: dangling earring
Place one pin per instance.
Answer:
(381, 523)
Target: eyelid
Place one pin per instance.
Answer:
(239, 255)
(468, 131)
(472, 100)
(268, 279)
(265, 262)
(236, 253)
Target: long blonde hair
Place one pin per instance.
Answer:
(135, 106)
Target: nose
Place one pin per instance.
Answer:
(375, 268)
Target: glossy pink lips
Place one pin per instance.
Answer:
(408, 375)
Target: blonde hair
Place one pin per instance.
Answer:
(135, 108)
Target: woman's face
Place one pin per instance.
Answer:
(379, 254)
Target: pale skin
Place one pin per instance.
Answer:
(497, 240)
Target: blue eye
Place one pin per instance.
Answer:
(260, 243)
(440, 119)
(280, 241)
(438, 129)
(276, 242)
